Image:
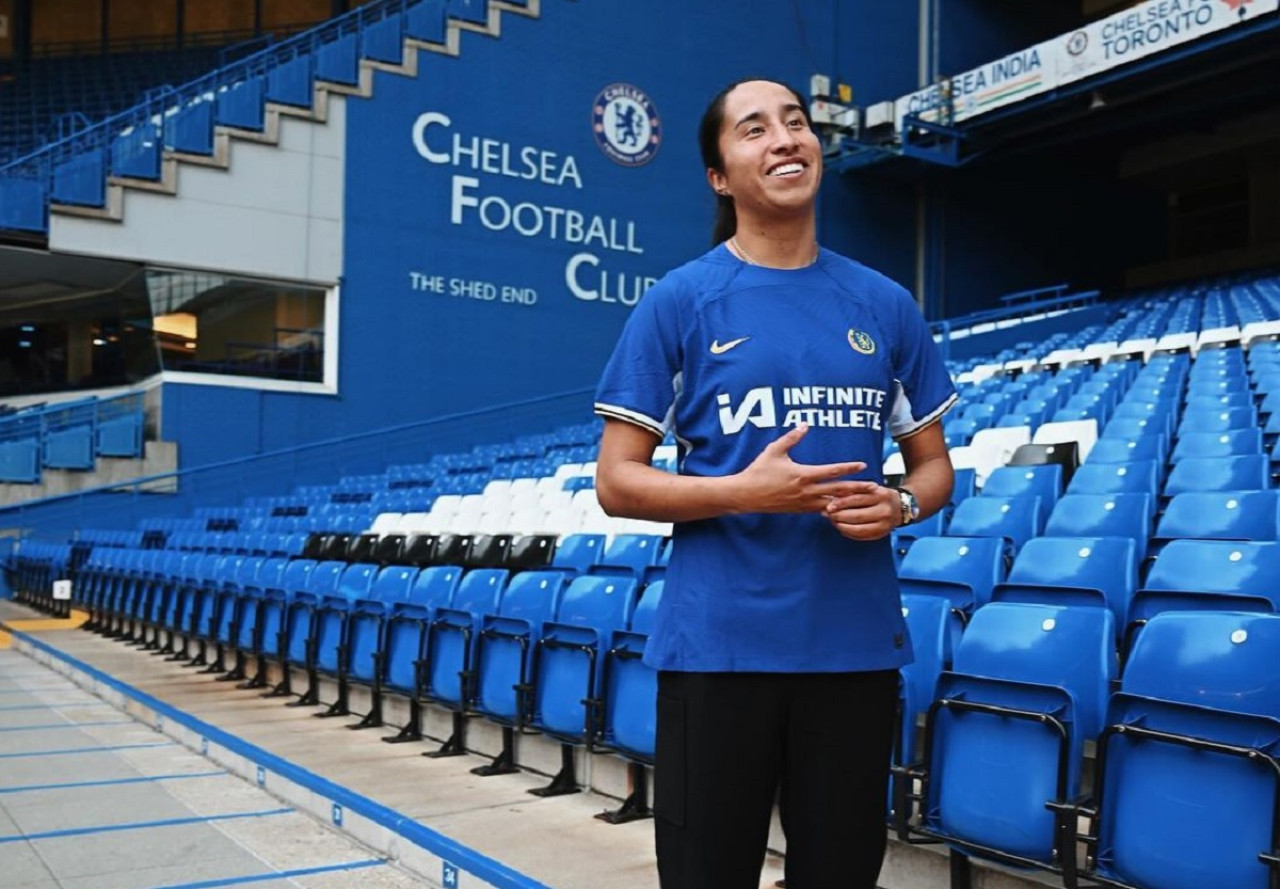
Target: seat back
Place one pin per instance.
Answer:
(631, 700)
(1016, 519)
(435, 586)
(963, 570)
(1218, 444)
(1074, 570)
(393, 584)
(633, 551)
(1220, 660)
(1042, 480)
(571, 656)
(579, 551)
(1126, 450)
(1251, 472)
(1135, 477)
(1103, 515)
(928, 620)
(1225, 515)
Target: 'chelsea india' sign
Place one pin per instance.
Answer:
(626, 126)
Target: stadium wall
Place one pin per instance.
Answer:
(439, 194)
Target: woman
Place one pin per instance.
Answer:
(779, 367)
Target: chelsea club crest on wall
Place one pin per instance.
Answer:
(626, 126)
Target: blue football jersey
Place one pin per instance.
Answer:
(729, 356)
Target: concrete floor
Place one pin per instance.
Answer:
(417, 811)
(92, 799)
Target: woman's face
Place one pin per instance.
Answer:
(772, 159)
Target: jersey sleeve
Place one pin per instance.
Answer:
(641, 379)
(924, 391)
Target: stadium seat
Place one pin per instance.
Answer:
(1237, 442)
(1091, 571)
(962, 570)
(1028, 687)
(571, 656)
(1245, 515)
(1043, 481)
(931, 627)
(1064, 454)
(1015, 519)
(1200, 700)
(451, 643)
(1127, 450)
(1135, 477)
(631, 693)
(1251, 472)
(506, 645)
(1215, 575)
(1103, 515)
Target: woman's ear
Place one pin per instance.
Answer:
(718, 182)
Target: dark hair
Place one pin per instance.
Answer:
(726, 221)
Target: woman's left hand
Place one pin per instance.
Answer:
(868, 514)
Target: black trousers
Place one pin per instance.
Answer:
(729, 743)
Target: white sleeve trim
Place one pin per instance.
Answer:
(907, 430)
(636, 418)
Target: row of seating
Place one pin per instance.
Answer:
(553, 648)
(1185, 774)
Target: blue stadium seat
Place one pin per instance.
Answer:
(451, 643)
(962, 570)
(631, 554)
(1236, 442)
(1218, 402)
(1251, 472)
(930, 624)
(1200, 700)
(1134, 477)
(571, 655)
(1225, 420)
(507, 642)
(578, 552)
(1016, 519)
(1091, 571)
(1103, 515)
(1127, 450)
(1214, 575)
(407, 626)
(1028, 687)
(631, 690)
(1044, 481)
(367, 622)
(1245, 515)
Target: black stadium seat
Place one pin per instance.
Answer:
(1064, 453)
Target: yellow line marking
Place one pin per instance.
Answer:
(35, 625)
(5, 640)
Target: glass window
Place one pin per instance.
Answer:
(218, 324)
(73, 322)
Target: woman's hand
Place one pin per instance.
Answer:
(866, 514)
(776, 483)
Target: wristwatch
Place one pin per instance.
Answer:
(910, 506)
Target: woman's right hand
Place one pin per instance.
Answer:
(776, 483)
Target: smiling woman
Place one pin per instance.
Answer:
(779, 633)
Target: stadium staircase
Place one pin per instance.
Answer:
(197, 123)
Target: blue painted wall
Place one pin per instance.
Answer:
(441, 312)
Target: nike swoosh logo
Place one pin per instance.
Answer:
(718, 348)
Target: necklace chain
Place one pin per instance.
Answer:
(746, 257)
